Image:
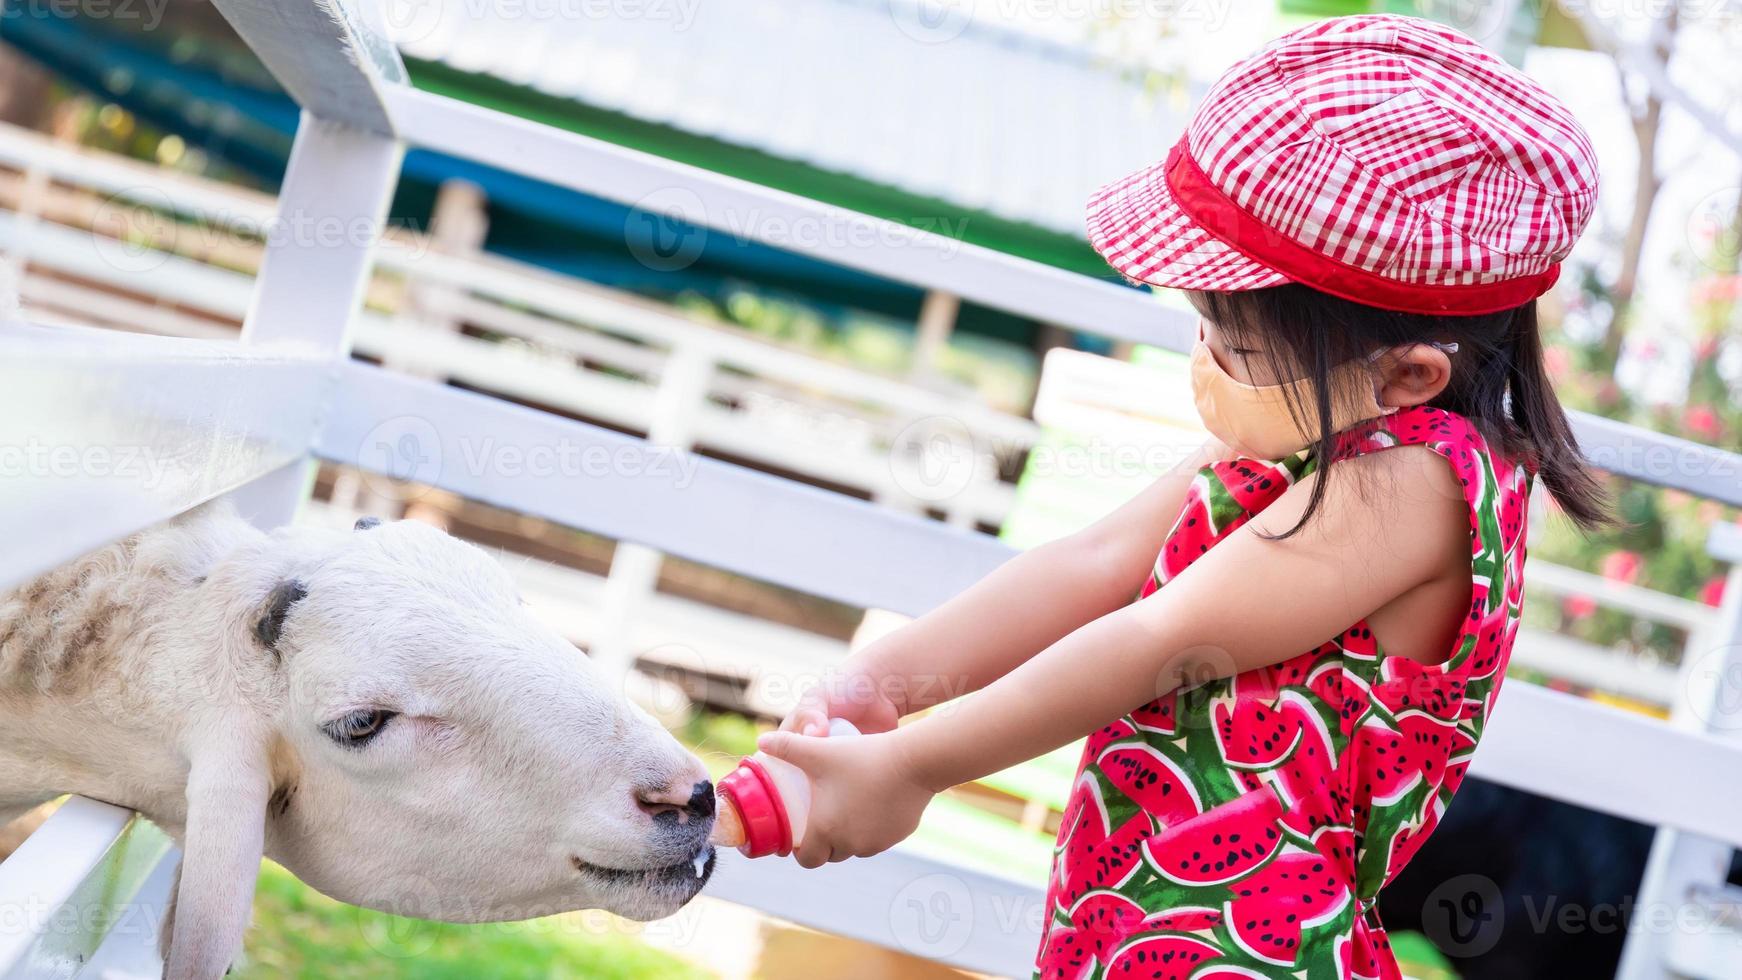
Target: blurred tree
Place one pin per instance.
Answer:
(1661, 544)
(24, 89)
(1645, 109)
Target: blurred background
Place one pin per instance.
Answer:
(141, 145)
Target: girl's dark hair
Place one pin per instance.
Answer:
(1498, 381)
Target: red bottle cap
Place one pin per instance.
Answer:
(752, 792)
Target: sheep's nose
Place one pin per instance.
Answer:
(677, 804)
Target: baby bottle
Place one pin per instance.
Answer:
(763, 803)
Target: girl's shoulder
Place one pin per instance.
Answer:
(1495, 488)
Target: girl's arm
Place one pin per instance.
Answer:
(1387, 525)
(1022, 607)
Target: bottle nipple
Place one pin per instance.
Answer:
(751, 807)
(728, 829)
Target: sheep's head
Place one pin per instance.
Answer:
(428, 747)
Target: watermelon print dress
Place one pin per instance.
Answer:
(1242, 828)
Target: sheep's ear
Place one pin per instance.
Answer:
(365, 523)
(270, 626)
(228, 786)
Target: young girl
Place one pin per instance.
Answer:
(1363, 213)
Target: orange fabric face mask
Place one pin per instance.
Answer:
(1254, 420)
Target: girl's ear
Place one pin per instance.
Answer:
(227, 790)
(1412, 375)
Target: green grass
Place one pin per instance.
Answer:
(1419, 959)
(721, 738)
(301, 933)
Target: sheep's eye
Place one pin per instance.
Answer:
(358, 728)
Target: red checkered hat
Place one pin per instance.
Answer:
(1385, 159)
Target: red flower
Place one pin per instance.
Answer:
(1578, 606)
(1712, 593)
(1556, 362)
(1718, 288)
(1703, 421)
(1621, 566)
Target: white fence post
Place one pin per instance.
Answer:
(634, 570)
(335, 60)
(1686, 869)
(331, 208)
(457, 228)
(937, 320)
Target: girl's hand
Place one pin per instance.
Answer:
(864, 799)
(860, 695)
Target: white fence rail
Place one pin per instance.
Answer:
(242, 416)
(107, 434)
(178, 281)
(591, 352)
(75, 884)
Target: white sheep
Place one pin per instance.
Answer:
(373, 709)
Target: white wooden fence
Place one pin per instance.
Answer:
(193, 278)
(246, 419)
(596, 353)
